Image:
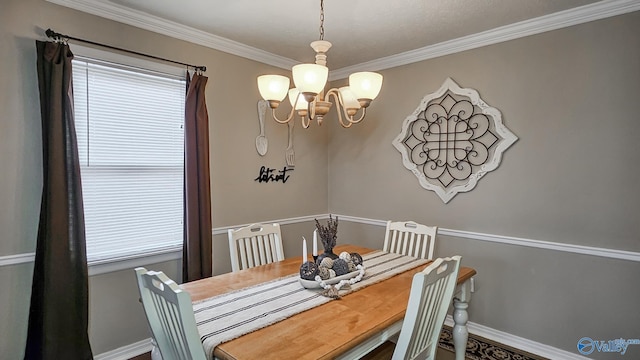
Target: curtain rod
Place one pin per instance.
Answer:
(57, 36)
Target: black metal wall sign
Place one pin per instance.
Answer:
(452, 139)
(268, 174)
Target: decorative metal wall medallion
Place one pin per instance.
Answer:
(452, 140)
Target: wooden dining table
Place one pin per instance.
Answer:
(346, 328)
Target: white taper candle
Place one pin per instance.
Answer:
(315, 242)
(304, 250)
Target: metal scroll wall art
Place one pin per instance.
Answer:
(452, 140)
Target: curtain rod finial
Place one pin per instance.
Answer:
(54, 35)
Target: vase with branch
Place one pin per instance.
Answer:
(328, 236)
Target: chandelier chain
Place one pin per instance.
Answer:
(321, 19)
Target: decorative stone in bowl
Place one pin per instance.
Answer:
(330, 273)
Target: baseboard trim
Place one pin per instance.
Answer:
(517, 341)
(126, 352)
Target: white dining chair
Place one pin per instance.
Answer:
(410, 238)
(431, 293)
(253, 245)
(170, 315)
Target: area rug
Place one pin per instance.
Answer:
(479, 348)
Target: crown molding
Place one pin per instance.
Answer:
(596, 11)
(139, 19)
(559, 20)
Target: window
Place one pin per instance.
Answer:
(129, 124)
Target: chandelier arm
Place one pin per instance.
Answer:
(339, 107)
(311, 110)
(305, 125)
(275, 117)
(364, 113)
(336, 94)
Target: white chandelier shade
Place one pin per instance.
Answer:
(273, 87)
(349, 99)
(365, 85)
(301, 104)
(310, 78)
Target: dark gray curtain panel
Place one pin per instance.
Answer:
(196, 257)
(58, 316)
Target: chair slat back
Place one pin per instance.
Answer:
(410, 238)
(431, 293)
(170, 315)
(253, 245)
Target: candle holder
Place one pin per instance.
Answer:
(330, 254)
(328, 235)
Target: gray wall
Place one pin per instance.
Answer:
(116, 318)
(572, 98)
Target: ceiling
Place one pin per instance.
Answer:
(363, 32)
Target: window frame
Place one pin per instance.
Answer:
(102, 266)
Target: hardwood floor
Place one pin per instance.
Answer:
(385, 354)
(478, 348)
(441, 354)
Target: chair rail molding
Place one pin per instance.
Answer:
(294, 220)
(510, 240)
(17, 259)
(175, 254)
(107, 266)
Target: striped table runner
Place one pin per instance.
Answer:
(228, 316)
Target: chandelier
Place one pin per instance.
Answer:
(308, 98)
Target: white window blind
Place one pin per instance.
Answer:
(129, 124)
